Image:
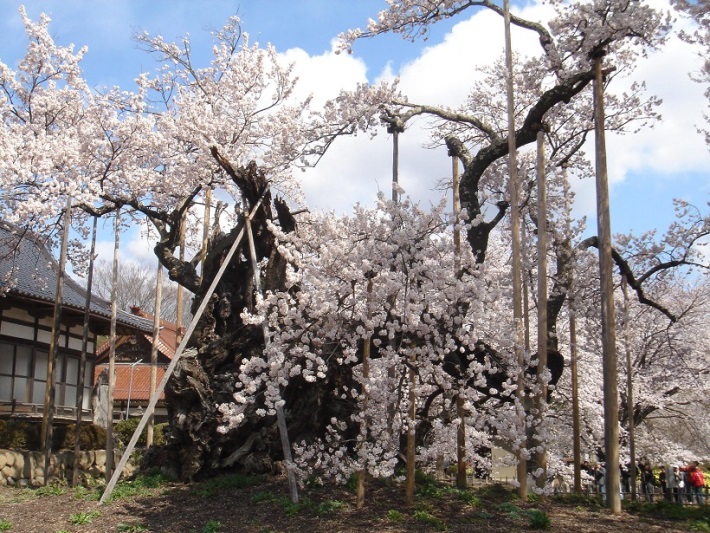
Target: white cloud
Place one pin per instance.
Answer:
(442, 75)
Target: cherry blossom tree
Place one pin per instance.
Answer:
(438, 331)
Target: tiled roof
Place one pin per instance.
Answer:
(167, 337)
(138, 386)
(28, 269)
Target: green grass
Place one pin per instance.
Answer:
(395, 515)
(699, 525)
(263, 496)
(213, 526)
(669, 510)
(5, 525)
(539, 519)
(330, 506)
(466, 496)
(82, 518)
(131, 528)
(511, 509)
(53, 489)
(219, 484)
(427, 518)
(496, 492)
(140, 486)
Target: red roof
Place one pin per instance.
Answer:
(133, 380)
(167, 337)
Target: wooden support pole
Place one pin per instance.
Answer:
(461, 480)
(154, 348)
(112, 349)
(362, 473)
(180, 297)
(541, 399)
(629, 389)
(516, 263)
(280, 415)
(571, 299)
(611, 393)
(411, 435)
(178, 354)
(84, 349)
(49, 391)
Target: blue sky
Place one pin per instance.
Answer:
(646, 170)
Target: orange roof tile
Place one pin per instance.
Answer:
(133, 380)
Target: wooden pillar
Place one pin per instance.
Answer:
(84, 348)
(611, 394)
(112, 349)
(629, 389)
(154, 348)
(49, 391)
(517, 262)
(541, 403)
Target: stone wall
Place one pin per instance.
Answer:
(26, 469)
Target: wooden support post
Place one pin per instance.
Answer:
(611, 393)
(541, 399)
(49, 391)
(154, 348)
(411, 435)
(178, 354)
(571, 298)
(180, 297)
(84, 349)
(517, 263)
(362, 473)
(461, 480)
(112, 349)
(629, 389)
(280, 415)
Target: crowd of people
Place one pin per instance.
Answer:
(678, 484)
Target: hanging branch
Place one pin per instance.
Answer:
(634, 283)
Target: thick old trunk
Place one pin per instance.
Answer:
(223, 342)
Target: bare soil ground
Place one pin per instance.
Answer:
(234, 503)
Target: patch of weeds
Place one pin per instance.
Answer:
(670, 510)
(88, 493)
(5, 525)
(228, 482)
(213, 526)
(313, 482)
(496, 492)
(539, 519)
(81, 518)
(431, 491)
(126, 489)
(395, 515)
(131, 528)
(427, 518)
(351, 483)
(291, 508)
(24, 495)
(263, 496)
(466, 496)
(699, 525)
(151, 481)
(578, 499)
(510, 509)
(56, 488)
(482, 515)
(533, 497)
(330, 506)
